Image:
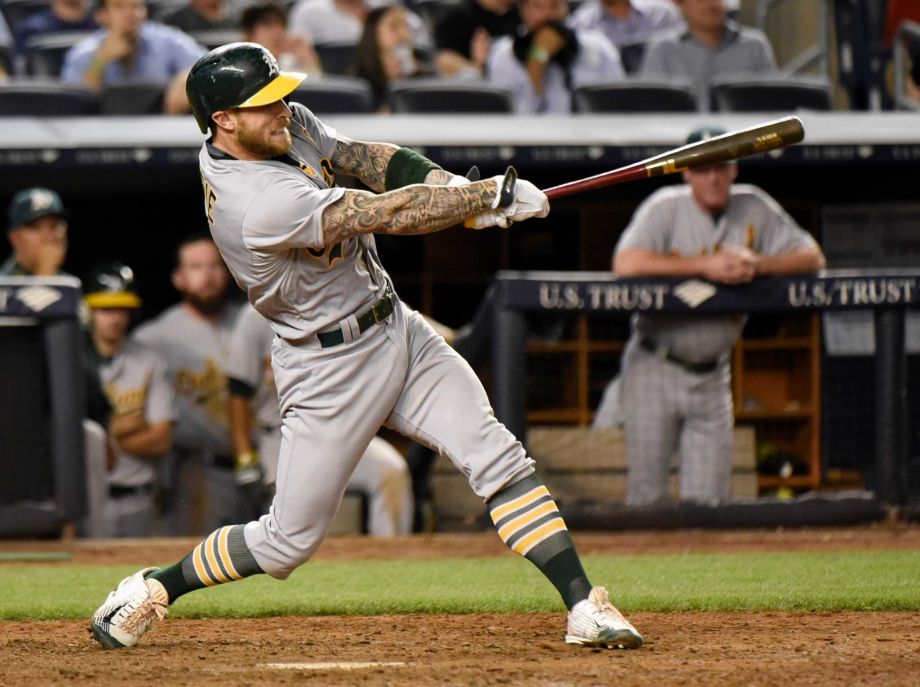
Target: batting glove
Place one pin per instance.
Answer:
(529, 201)
(490, 218)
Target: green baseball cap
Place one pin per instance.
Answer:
(33, 203)
(705, 132)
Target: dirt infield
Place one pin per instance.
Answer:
(521, 649)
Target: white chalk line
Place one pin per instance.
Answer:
(331, 665)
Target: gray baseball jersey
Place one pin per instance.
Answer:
(671, 221)
(135, 380)
(266, 219)
(195, 354)
(667, 408)
(249, 361)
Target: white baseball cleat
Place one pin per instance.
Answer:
(595, 622)
(129, 611)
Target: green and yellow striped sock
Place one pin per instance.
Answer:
(529, 522)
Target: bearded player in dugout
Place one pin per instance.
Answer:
(348, 356)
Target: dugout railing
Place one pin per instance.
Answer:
(519, 298)
(42, 404)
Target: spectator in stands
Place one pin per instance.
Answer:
(193, 336)
(712, 45)
(339, 21)
(381, 474)
(627, 21)
(674, 393)
(59, 17)
(130, 48)
(386, 51)
(142, 398)
(544, 64)
(463, 37)
(266, 24)
(202, 15)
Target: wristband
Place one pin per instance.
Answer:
(407, 167)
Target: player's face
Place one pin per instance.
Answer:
(264, 131)
(45, 234)
(111, 324)
(201, 276)
(712, 185)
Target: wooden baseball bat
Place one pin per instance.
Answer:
(730, 146)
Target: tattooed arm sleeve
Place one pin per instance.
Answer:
(368, 162)
(417, 209)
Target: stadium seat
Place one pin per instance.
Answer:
(45, 53)
(631, 55)
(335, 95)
(14, 11)
(22, 98)
(217, 38)
(634, 96)
(139, 98)
(445, 95)
(752, 93)
(337, 58)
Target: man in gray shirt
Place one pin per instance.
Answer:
(711, 46)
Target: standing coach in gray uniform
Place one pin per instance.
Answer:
(674, 385)
(348, 356)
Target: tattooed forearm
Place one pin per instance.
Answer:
(416, 209)
(367, 161)
(438, 177)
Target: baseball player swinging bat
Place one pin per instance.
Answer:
(730, 146)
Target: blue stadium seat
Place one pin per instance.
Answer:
(137, 98)
(27, 97)
(446, 95)
(335, 95)
(632, 95)
(337, 58)
(757, 93)
(216, 38)
(45, 53)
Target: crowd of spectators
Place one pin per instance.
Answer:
(539, 50)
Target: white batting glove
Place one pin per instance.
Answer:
(490, 218)
(529, 201)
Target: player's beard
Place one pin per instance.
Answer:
(263, 144)
(206, 305)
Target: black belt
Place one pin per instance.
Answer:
(649, 345)
(378, 312)
(116, 491)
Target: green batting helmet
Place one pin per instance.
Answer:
(236, 75)
(111, 285)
